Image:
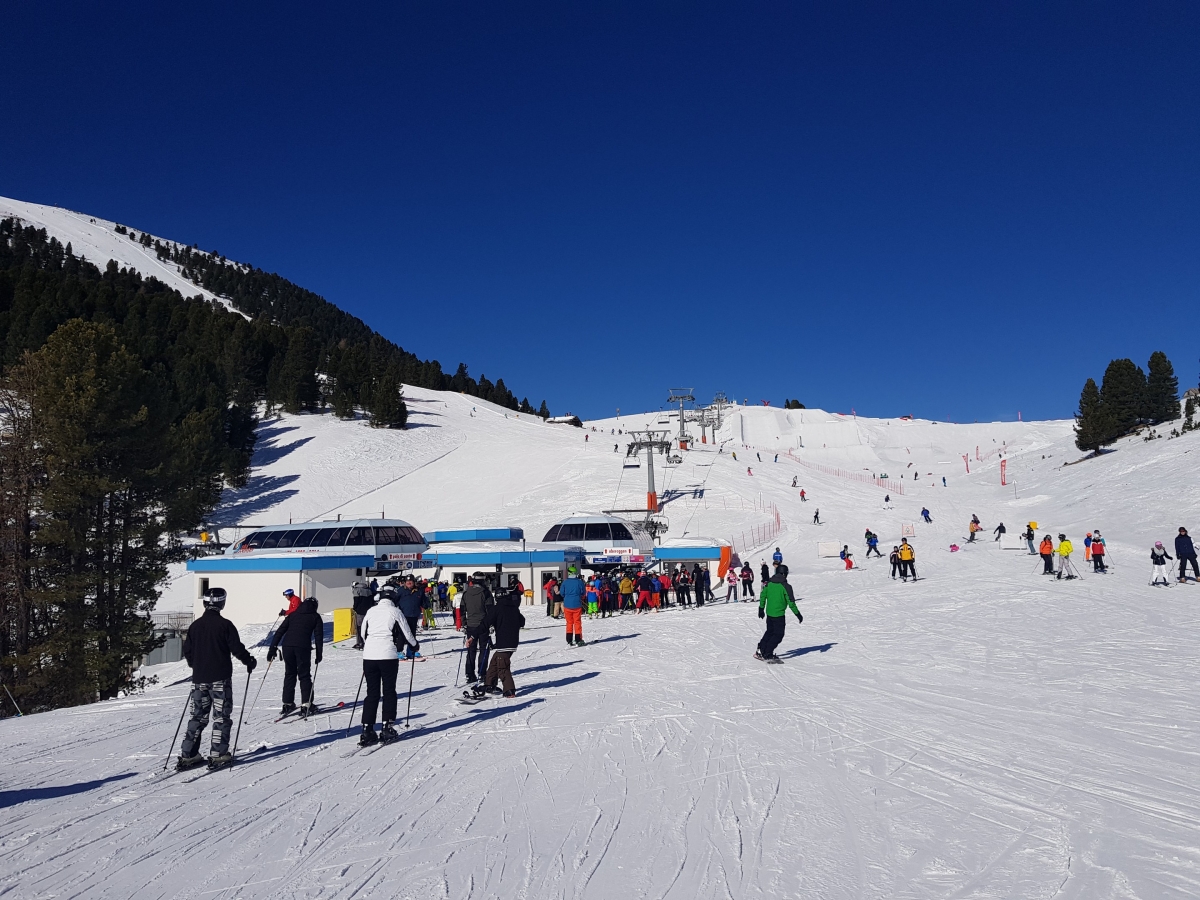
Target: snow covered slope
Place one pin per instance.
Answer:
(983, 732)
(95, 240)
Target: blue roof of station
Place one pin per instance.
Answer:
(474, 534)
(290, 563)
(688, 553)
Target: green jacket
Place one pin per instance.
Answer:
(776, 598)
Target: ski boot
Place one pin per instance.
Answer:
(510, 694)
(580, 642)
(219, 761)
(775, 661)
(188, 762)
(388, 734)
(478, 691)
(758, 655)
(368, 737)
(494, 689)
(287, 710)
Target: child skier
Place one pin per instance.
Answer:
(1159, 556)
(297, 634)
(894, 559)
(731, 582)
(846, 557)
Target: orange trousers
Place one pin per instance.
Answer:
(574, 619)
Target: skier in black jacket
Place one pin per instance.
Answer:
(477, 603)
(211, 642)
(297, 634)
(505, 617)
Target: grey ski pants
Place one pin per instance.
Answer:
(215, 698)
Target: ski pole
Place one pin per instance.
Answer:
(258, 693)
(350, 724)
(14, 702)
(241, 712)
(186, 703)
(411, 672)
(458, 671)
(312, 691)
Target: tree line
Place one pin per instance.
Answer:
(125, 409)
(1126, 399)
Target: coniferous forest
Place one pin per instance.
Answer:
(125, 408)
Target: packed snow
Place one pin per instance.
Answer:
(983, 732)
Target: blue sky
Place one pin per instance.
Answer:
(955, 210)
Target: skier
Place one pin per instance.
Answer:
(734, 452)
(455, 594)
(731, 582)
(626, 588)
(507, 620)
(894, 559)
(410, 601)
(759, 455)
(803, 499)
(1029, 538)
(1087, 548)
(795, 478)
(817, 517)
(1099, 551)
(1064, 557)
(764, 572)
(775, 599)
(476, 603)
(908, 560)
(887, 501)
(999, 531)
(776, 457)
(706, 574)
(776, 558)
(572, 600)
(873, 544)
(1159, 556)
(1046, 550)
(362, 603)
(747, 577)
(293, 602)
(847, 557)
(700, 583)
(971, 530)
(383, 631)
(943, 481)
(209, 646)
(1185, 550)
(297, 634)
(748, 472)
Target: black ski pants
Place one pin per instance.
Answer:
(297, 663)
(481, 645)
(409, 652)
(1048, 559)
(215, 698)
(380, 675)
(1099, 566)
(747, 589)
(772, 637)
(1183, 564)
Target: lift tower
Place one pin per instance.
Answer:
(682, 396)
(649, 440)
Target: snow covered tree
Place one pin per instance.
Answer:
(1162, 390)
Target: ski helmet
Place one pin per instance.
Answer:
(214, 598)
(1062, 537)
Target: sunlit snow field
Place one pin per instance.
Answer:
(984, 732)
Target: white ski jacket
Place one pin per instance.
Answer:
(379, 631)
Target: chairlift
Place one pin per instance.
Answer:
(631, 462)
(674, 459)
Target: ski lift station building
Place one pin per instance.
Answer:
(324, 559)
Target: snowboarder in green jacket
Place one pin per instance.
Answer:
(774, 601)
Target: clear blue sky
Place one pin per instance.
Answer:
(958, 210)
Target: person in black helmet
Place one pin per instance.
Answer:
(211, 642)
(297, 635)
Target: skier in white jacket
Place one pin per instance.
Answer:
(385, 633)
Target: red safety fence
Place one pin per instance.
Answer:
(895, 486)
(758, 535)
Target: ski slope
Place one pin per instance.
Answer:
(95, 240)
(983, 732)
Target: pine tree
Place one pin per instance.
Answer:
(544, 410)
(1189, 410)
(388, 409)
(1091, 428)
(1123, 396)
(1162, 390)
(525, 407)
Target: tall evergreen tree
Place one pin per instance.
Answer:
(1091, 429)
(544, 410)
(387, 408)
(1123, 395)
(1162, 390)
